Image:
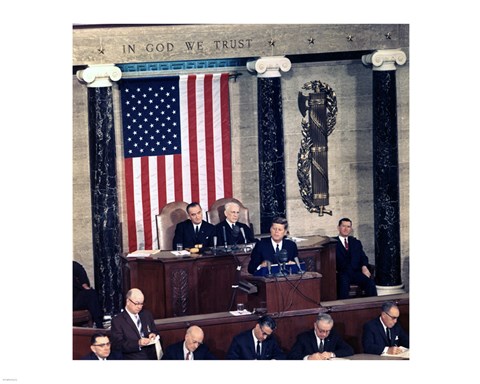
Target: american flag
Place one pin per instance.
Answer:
(176, 137)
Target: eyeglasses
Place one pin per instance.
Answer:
(324, 331)
(103, 345)
(392, 317)
(134, 303)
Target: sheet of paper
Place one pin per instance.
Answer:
(405, 353)
(181, 253)
(240, 313)
(153, 341)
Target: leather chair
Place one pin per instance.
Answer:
(216, 213)
(168, 218)
(82, 318)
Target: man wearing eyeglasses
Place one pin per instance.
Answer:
(100, 349)
(258, 343)
(192, 348)
(133, 331)
(323, 343)
(384, 334)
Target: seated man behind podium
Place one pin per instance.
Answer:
(384, 334)
(194, 230)
(226, 228)
(267, 249)
(321, 343)
(352, 262)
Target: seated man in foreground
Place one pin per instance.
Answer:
(321, 343)
(384, 334)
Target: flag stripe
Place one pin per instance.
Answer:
(176, 146)
(225, 139)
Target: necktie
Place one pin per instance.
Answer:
(139, 324)
(389, 337)
(320, 346)
(259, 352)
(346, 244)
(188, 356)
(196, 230)
(277, 251)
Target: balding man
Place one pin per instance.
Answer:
(225, 231)
(192, 348)
(133, 331)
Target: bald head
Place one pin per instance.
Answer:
(193, 337)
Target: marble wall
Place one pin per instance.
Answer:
(350, 154)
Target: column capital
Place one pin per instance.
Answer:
(269, 66)
(385, 59)
(99, 75)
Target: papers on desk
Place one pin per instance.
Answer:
(181, 253)
(297, 239)
(405, 353)
(240, 313)
(143, 253)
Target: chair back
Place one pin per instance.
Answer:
(168, 218)
(216, 213)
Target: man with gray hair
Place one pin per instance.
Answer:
(230, 231)
(321, 343)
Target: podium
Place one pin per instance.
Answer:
(287, 293)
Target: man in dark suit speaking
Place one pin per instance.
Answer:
(194, 230)
(268, 249)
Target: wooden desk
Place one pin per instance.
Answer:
(181, 286)
(367, 356)
(280, 294)
(349, 316)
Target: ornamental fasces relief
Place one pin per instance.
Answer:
(319, 110)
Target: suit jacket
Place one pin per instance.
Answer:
(374, 338)
(124, 336)
(352, 260)
(244, 348)
(264, 250)
(114, 355)
(175, 352)
(185, 234)
(306, 344)
(229, 233)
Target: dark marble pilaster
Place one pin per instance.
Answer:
(385, 170)
(103, 180)
(271, 157)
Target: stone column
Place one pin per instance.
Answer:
(385, 170)
(271, 159)
(103, 183)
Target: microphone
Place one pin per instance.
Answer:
(283, 258)
(297, 261)
(235, 233)
(243, 234)
(269, 267)
(225, 238)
